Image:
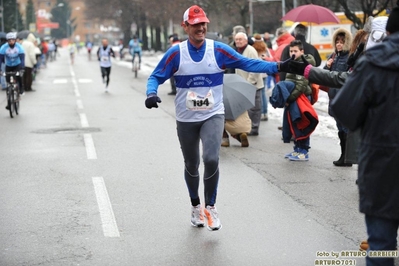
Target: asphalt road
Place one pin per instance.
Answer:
(95, 178)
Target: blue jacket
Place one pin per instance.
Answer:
(300, 119)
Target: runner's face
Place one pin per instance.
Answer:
(196, 33)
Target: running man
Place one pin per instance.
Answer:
(135, 48)
(89, 46)
(104, 54)
(72, 51)
(13, 55)
(198, 65)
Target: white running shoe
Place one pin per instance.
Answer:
(197, 218)
(211, 215)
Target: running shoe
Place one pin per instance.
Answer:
(211, 215)
(197, 218)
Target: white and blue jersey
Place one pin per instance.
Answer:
(199, 76)
(134, 46)
(12, 56)
(104, 55)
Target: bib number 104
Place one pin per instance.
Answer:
(199, 103)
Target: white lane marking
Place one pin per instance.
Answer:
(77, 93)
(60, 81)
(110, 228)
(85, 80)
(83, 120)
(90, 149)
(79, 103)
(75, 85)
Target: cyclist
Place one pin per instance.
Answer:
(104, 54)
(13, 55)
(135, 48)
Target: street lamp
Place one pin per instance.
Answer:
(251, 14)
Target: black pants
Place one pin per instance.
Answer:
(105, 72)
(19, 78)
(28, 79)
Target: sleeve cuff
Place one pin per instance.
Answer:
(307, 71)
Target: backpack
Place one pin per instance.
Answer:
(315, 93)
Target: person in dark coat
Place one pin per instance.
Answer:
(373, 107)
(342, 40)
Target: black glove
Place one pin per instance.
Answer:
(284, 66)
(298, 67)
(353, 57)
(152, 101)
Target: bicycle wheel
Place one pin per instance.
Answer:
(11, 101)
(16, 100)
(136, 68)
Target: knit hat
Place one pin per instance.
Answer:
(378, 32)
(393, 21)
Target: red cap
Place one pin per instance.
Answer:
(195, 15)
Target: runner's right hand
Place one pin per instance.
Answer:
(152, 101)
(298, 67)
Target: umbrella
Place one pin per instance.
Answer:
(311, 13)
(24, 34)
(238, 96)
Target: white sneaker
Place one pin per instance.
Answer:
(211, 215)
(197, 218)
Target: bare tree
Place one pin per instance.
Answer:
(369, 8)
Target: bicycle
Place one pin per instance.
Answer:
(136, 65)
(13, 96)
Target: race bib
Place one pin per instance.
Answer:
(195, 102)
(104, 58)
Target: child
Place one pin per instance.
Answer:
(301, 147)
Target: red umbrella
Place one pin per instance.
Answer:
(311, 13)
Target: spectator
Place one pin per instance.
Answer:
(300, 33)
(267, 40)
(368, 100)
(30, 61)
(241, 40)
(337, 61)
(262, 51)
(302, 146)
(44, 53)
(238, 129)
(3, 67)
